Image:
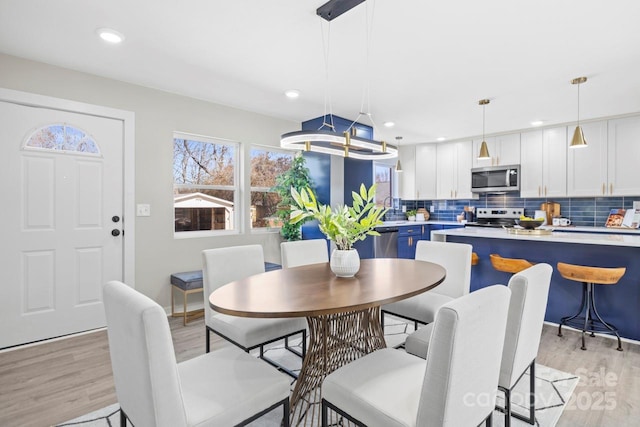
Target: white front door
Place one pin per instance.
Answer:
(61, 175)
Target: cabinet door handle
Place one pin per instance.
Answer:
(611, 188)
(603, 188)
(545, 191)
(538, 190)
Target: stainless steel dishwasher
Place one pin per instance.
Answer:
(386, 244)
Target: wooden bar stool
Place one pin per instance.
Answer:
(474, 258)
(509, 265)
(591, 320)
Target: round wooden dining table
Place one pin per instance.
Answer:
(343, 314)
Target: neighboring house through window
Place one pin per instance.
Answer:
(205, 181)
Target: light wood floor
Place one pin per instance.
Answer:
(57, 381)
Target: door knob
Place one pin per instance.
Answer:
(115, 218)
(115, 232)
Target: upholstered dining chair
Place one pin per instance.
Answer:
(455, 386)
(225, 387)
(456, 259)
(224, 265)
(529, 293)
(304, 252)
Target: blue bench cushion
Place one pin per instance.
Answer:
(187, 280)
(193, 279)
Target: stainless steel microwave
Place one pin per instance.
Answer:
(495, 179)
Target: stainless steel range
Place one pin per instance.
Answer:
(496, 217)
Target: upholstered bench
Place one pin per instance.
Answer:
(190, 282)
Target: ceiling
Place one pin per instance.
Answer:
(429, 62)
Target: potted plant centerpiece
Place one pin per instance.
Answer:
(343, 225)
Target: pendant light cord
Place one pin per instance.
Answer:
(484, 106)
(326, 47)
(366, 90)
(579, 104)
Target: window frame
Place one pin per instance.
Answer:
(247, 211)
(236, 187)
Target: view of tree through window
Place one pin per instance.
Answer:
(383, 174)
(60, 137)
(205, 183)
(266, 165)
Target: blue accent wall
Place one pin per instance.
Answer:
(356, 172)
(583, 211)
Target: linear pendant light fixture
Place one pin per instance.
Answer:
(578, 136)
(484, 150)
(328, 141)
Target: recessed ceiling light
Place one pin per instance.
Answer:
(441, 138)
(389, 124)
(537, 123)
(109, 35)
(292, 93)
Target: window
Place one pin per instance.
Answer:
(205, 182)
(266, 165)
(382, 178)
(61, 137)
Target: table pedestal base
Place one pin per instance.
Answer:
(334, 341)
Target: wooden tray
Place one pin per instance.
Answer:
(534, 232)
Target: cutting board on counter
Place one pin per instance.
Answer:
(552, 209)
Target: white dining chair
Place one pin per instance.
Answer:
(529, 293)
(224, 265)
(304, 252)
(225, 387)
(456, 259)
(455, 386)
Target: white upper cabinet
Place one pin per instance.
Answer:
(623, 158)
(407, 178)
(454, 162)
(417, 181)
(426, 172)
(587, 166)
(543, 164)
(503, 149)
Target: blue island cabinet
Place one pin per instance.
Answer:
(618, 304)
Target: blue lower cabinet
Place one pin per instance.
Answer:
(408, 237)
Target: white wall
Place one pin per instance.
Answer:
(158, 114)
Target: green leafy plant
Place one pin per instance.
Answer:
(344, 225)
(298, 177)
(411, 213)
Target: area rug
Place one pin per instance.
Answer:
(553, 390)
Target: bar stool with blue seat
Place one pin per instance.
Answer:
(590, 321)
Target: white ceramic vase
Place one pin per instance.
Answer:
(345, 263)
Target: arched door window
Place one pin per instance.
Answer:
(62, 137)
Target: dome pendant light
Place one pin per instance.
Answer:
(578, 136)
(484, 150)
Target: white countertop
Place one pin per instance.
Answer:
(406, 222)
(608, 239)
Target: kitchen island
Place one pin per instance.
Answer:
(618, 304)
